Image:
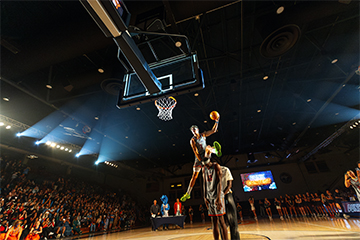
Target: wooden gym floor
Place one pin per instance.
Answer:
(294, 229)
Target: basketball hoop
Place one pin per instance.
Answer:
(165, 106)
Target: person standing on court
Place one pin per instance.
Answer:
(177, 208)
(201, 151)
(154, 211)
(231, 215)
(214, 197)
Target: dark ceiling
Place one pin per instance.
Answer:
(58, 43)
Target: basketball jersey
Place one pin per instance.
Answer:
(211, 182)
(226, 176)
(200, 144)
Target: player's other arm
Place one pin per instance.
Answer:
(229, 185)
(219, 189)
(204, 188)
(194, 148)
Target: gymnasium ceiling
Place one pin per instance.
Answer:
(305, 98)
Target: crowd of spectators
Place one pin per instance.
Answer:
(59, 208)
(316, 205)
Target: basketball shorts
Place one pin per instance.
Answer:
(197, 164)
(212, 211)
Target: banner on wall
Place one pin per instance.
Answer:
(351, 207)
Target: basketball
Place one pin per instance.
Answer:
(214, 115)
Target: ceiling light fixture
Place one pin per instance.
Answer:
(96, 118)
(8, 127)
(159, 130)
(178, 44)
(49, 86)
(280, 10)
(265, 77)
(1, 124)
(100, 70)
(196, 94)
(309, 100)
(138, 108)
(334, 61)
(6, 99)
(351, 127)
(259, 110)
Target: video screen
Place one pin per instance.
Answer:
(258, 181)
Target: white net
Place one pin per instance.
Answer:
(165, 106)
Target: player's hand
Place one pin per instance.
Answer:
(206, 203)
(218, 204)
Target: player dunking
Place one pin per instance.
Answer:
(202, 151)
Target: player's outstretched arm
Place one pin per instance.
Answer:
(213, 130)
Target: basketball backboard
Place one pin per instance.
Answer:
(177, 75)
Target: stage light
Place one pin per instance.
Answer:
(6, 99)
(18, 134)
(96, 118)
(52, 144)
(265, 77)
(178, 44)
(196, 94)
(1, 124)
(48, 143)
(334, 61)
(8, 127)
(97, 163)
(354, 126)
(100, 70)
(259, 111)
(138, 108)
(37, 142)
(356, 123)
(62, 148)
(351, 127)
(57, 146)
(280, 10)
(309, 100)
(66, 149)
(49, 86)
(70, 150)
(77, 155)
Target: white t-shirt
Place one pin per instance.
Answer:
(226, 176)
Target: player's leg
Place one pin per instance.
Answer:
(196, 170)
(224, 233)
(231, 216)
(216, 149)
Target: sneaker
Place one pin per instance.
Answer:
(51, 233)
(62, 235)
(217, 147)
(185, 197)
(58, 236)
